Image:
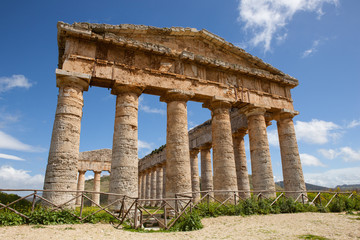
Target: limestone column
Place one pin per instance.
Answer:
(153, 186)
(178, 175)
(223, 151)
(290, 158)
(262, 175)
(241, 165)
(61, 170)
(124, 162)
(159, 183)
(195, 183)
(206, 169)
(96, 196)
(148, 187)
(80, 185)
(164, 181)
(139, 185)
(143, 187)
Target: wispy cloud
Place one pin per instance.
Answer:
(144, 145)
(10, 157)
(19, 178)
(148, 109)
(316, 131)
(311, 50)
(310, 160)
(273, 138)
(145, 108)
(8, 83)
(334, 177)
(266, 18)
(345, 153)
(7, 118)
(9, 142)
(353, 123)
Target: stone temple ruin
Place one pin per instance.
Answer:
(178, 64)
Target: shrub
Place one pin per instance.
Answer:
(10, 219)
(20, 205)
(188, 222)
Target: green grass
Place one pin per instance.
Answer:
(313, 237)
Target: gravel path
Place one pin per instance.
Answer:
(280, 226)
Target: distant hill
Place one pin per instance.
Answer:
(309, 187)
(349, 187)
(104, 184)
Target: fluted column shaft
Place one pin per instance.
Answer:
(241, 165)
(164, 181)
(290, 158)
(153, 186)
(143, 186)
(96, 196)
(206, 170)
(148, 187)
(159, 183)
(262, 175)
(195, 182)
(61, 170)
(223, 151)
(178, 175)
(124, 162)
(80, 185)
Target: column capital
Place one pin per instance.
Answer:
(194, 152)
(72, 79)
(241, 132)
(176, 95)
(251, 111)
(217, 102)
(97, 172)
(206, 146)
(119, 88)
(285, 114)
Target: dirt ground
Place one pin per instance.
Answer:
(280, 226)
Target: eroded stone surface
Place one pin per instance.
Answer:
(241, 165)
(262, 175)
(61, 170)
(290, 158)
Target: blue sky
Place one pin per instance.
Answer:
(315, 41)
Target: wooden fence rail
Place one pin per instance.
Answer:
(165, 212)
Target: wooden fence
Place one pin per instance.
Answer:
(164, 212)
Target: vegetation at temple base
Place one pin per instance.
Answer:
(188, 222)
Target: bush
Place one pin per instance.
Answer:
(188, 222)
(20, 205)
(10, 219)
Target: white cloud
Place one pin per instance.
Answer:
(9, 142)
(144, 145)
(273, 138)
(316, 131)
(6, 118)
(8, 83)
(328, 153)
(148, 109)
(310, 160)
(334, 177)
(353, 123)
(18, 178)
(10, 157)
(345, 153)
(265, 18)
(349, 155)
(311, 50)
